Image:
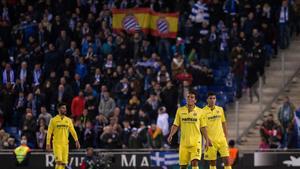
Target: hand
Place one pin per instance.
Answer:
(48, 147)
(208, 143)
(109, 140)
(77, 145)
(170, 139)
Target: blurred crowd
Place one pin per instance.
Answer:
(123, 89)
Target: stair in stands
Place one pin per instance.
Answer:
(249, 112)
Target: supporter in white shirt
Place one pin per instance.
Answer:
(163, 121)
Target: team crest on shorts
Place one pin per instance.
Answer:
(195, 114)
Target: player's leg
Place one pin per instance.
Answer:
(195, 156)
(57, 151)
(65, 155)
(184, 157)
(183, 166)
(226, 162)
(211, 155)
(224, 152)
(212, 164)
(195, 164)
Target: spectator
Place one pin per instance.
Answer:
(91, 106)
(286, 116)
(163, 76)
(233, 153)
(45, 115)
(126, 133)
(8, 75)
(101, 122)
(283, 15)
(294, 139)
(106, 105)
(109, 138)
(271, 132)
(163, 121)
(155, 136)
(177, 65)
(199, 12)
(85, 118)
(88, 136)
(29, 127)
(90, 160)
(132, 116)
(251, 78)
(78, 104)
(22, 153)
(41, 137)
(3, 139)
(238, 68)
(134, 142)
(151, 106)
(169, 96)
(143, 135)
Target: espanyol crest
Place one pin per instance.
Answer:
(162, 25)
(130, 22)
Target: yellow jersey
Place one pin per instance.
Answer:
(215, 118)
(190, 124)
(60, 128)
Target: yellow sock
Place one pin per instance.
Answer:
(212, 167)
(57, 166)
(62, 167)
(227, 167)
(195, 167)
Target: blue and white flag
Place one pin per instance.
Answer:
(164, 158)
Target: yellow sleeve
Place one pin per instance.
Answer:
(203, 119)
(222, 115)
(177, 118)
(50, 131)
(72, 130)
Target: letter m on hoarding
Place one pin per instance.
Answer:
(124, 161)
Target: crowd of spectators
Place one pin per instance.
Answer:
(123, 89)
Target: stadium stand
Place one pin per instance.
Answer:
(53, 50)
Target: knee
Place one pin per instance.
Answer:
(59, 163)
(226, 161)
(212, 162)
(183, 167)
(194, 163)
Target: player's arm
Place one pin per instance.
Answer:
(204, 133)
(49, 134)
(174, 127)
(203, 124)
(224, 125)
(74, 134)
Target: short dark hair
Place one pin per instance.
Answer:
(211, 94)
(191, 91)
(231, 143)
(60, 104)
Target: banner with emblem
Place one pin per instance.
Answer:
(131, 20)
(164, 24)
